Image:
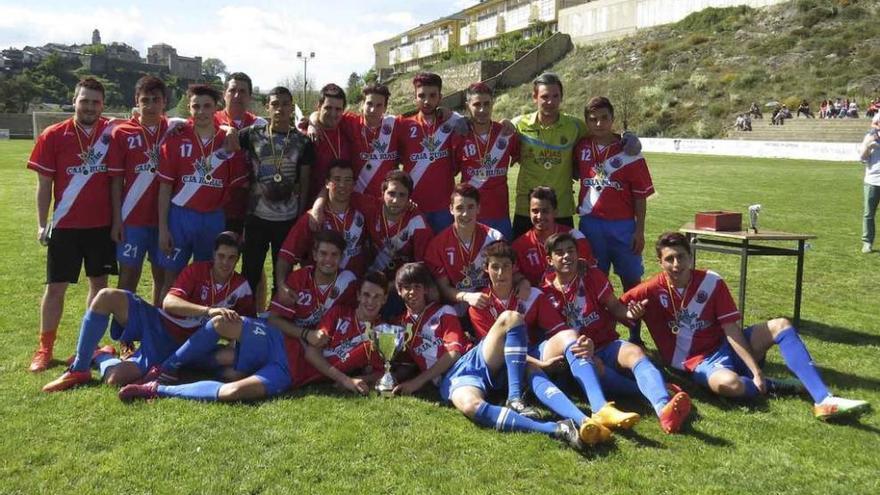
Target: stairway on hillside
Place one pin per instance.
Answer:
(802, 129)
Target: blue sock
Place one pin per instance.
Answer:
(90, 333)
(515, 343)
(798, 360)
(205, 390)
(503, 419)
(585, 373)
(107, 362)
(751, 390)
(617, 383)
(197, 347)
(651, 383)
(550, 395)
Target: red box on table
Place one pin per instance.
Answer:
(719, 221)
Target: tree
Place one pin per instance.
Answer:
(295, 84)
(213, 68)
(354, 88)
(17, 93)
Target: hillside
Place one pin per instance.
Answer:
(691, 78)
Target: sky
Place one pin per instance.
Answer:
(260, 38)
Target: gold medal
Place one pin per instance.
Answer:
(467, 282)
(152, 170)
(548, 165)
(276, 177)
(675, 329)
(209, 177)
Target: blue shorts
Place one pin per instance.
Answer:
(502, 225)
(139, 241)
(724, 358)
(438, 220)
(611, 243)
(536, 351)
(193, 234)
(145, 325)
(608, 353)
(260, 353)
(471, 370)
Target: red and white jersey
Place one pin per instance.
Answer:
(426, 155)
(541, 318)
(236, 207)
(610, 180)
(348, 350)
(373, 151)
(313, 300)
(134, 156)
(202, 174)
(582, 304)
(531, 257)
(702, 309)
(331, 145)
(484, 162)
(75, 161)
(461, 264)
(402, 241)
(297, 246)
(196, 285)
(435, 332)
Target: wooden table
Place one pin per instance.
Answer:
(746, 243)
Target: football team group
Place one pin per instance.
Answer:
(378, 219)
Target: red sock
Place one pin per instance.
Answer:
(47, 339)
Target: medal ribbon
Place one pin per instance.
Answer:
(672, 295)
(338, 149)
(321, 295)
(464, 252)
(90, 140)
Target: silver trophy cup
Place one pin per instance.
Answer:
(387, 340)
(753, 217)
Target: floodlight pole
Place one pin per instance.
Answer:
(305, 57)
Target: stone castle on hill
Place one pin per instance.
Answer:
(99, 58)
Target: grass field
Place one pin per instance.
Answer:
(317, 441)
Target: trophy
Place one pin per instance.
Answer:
(387, 340)
(753, 217)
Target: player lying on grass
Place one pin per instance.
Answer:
(586, 299)
(271, 355)
(464, 373)
(541, 320)
(203, 290)
(697, 329)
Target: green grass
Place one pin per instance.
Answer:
(317, 441)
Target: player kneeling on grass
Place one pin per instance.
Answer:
(203, 290)
(465, 374)
(271, 357)
(696, 327)
(586, 299)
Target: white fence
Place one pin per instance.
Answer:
(835, 152)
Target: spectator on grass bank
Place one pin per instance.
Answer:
(804, 108)
(873, 108)
(743, 122)
(778, 118)
(853, 110)
(823, 109)
(755, 111)
(871, 158)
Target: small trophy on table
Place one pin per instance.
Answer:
(753, 217)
